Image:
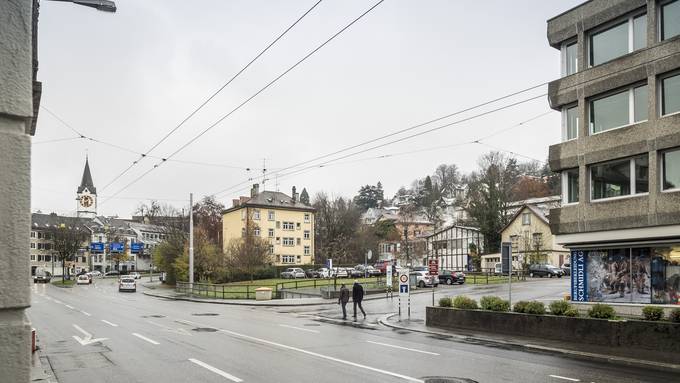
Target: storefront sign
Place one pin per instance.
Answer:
(579, 277)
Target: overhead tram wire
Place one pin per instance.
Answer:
(269, 84)
(213, 95)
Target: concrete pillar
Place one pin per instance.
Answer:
(16, 110)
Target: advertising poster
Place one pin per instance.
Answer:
(665, 275)
(619, 275)
(579, 277)
(640, 276)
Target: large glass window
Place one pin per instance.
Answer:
(639, 32)
(670, 20)
(665, 274)
(671, 169)
(615, 111)
(570, 54)
(570, 186)
(620, 178)
(670, 95)
(570, 116)
(618, 40)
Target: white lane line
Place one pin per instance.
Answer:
(142, 337)
(69, 306)
(86, 313)
(57, 302)
(311, 353)
(215, 370)
(564, 377)
(300, 328)
(109, 323)
(403, 348)
(87, 334)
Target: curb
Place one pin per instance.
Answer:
(537, 348)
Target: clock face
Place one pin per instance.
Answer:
(86, 201)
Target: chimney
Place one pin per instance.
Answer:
(255, 190)
(235, 202)
(294, 195)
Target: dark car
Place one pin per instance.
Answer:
(566, 269)
(545, 271)
(450, 277)
(356, 273)
(311, 273)
(42, 275)
(112, 273)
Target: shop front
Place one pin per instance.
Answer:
(643, 275)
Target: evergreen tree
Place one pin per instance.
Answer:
(304, 196)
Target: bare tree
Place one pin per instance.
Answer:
(67, 240)
(208, 217)
(248, 253)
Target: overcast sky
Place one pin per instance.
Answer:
(130, 77)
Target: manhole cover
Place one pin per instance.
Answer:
(311, 324)
(153, 316)
(205, 314)
(445, 379)
(204, 329)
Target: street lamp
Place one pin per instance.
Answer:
(100, 5)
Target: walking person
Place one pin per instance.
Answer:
(343, 299)
(357, 297)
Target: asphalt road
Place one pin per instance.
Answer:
(96, 334)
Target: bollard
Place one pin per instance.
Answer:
(33, 347)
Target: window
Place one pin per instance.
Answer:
(288, 225)
(299, 241)
(40, 235)
(526, 219)
(307, 250)
(297, 225)
(298, 259)
(620, 178)
(32, 245)
(569, 58)
(288, 241)
(32, 257)
(306, 234)
(307, 215)
(671, 170)
(538, 239)
(618, 40)
(570, 186)
(256, 214)
(257, 231)
(278, 240)
(619, 109)
(670, 94)
(271, 215)
(270, 233)
(570, 123)
(670, 20)
(271, 249)
(33, 234)
(288, 259)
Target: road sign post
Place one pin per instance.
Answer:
(369, 255)
(433, 265)
(404, 290)
(388, 280)
(506, 266)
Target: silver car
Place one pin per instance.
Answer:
(424, 279)
(293, 273)
(127, 284)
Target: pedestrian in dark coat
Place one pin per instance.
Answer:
(357, 297)
(343, 299)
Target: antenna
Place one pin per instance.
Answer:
(264, 172)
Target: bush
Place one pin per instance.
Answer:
(572, 312)
(445, 302)
(463, 302)
(520, 307)
(674, 316)
(652, 313)
(602, 311)
(535, 307)
(559, 307)
(494, 304)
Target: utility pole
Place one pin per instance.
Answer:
(191, 241)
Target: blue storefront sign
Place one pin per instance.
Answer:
(136, 247)
(116, 247)
(579, 276)
(97, 247)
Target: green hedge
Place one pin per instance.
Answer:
(652, 313)
(492, 303)
(674, 316)
(559, 307)
(602, 311)
(445, 302)
(463, 302)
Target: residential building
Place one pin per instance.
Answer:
(284, 221)
(412, 229)
(619, 158)
(544, 204)
(42, 252)
(532, 240)
(453, 247)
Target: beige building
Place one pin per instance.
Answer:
(286, 222)
(531, 238)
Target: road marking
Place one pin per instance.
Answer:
(564, 377)
(300, 328)
(109, 323)
(142, 337)
(86, 313)
(56, 301)
(69, 306)
(402, 348)
(180, 331)
(88, 337)
(311, 353)
(215, 370)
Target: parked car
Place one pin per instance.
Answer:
(340, 272)
(424, 279)
(566, 268)
(372, 271)
(381, 266)
(311, 273)
(356, 273)
(325, 272)
(450, 277)
(419, 268)
(112, 273)
(293, 273)
(95, 274)
(42, 275)
(83, 279)
(545, 271)
(135, 275)
(127, 284)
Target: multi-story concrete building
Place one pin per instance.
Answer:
(284, 221)
(619, 96)
(42, 252)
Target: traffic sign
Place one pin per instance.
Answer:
(403, 289)
(433, 265)
(403, 283)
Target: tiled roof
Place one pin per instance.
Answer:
(274, 200)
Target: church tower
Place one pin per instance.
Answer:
(87, 195)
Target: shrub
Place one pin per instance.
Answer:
(559, 307)
(535, 307)
(602, 311)
(494, 304)
(520, 307)
(674, 316)
(463, 302)
(572, 312)
(652, 313)
(445, 302)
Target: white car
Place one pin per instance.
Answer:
(83, 279)
(96, 273)
(293, 273)
(341, 272)
(135, 275)
(325, 272)
(127, 284)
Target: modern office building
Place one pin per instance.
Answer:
(619, 158)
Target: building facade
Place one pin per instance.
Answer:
(619, 96)
(284, 221)
(453, 246)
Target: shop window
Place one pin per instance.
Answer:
(665, 274)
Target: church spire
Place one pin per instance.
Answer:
(86, 182)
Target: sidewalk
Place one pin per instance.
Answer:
(528, 344)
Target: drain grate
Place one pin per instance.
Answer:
(446, 379)
(204, 329)
(205, 314)
(153, 316)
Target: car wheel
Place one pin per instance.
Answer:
(421, 284)
(449, 281)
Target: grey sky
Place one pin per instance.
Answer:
(130, 77)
